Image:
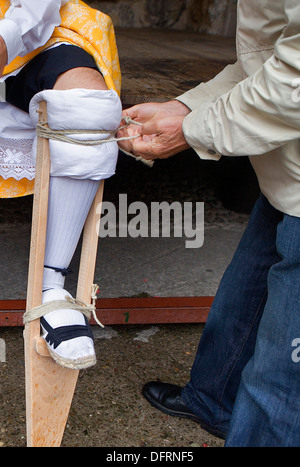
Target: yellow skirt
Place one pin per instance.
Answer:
(87, 28)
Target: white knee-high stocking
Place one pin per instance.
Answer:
(69, 204)
(66, 331)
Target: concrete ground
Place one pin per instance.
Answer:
(108, 409)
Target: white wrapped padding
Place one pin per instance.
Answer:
(81, 109)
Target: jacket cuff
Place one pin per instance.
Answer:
(192, 98)
(197, 134)
(210, 91)
(11, 35)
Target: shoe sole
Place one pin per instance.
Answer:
(215, 432)
(79, 364)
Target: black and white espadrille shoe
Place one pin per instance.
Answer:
(68, 334)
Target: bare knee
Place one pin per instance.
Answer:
(81, 77)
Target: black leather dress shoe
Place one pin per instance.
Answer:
(167, 398)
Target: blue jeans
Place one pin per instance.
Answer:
(245, 380)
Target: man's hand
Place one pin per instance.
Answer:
(160, 135)
(3, 55)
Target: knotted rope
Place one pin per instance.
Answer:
(43, 131)
(70, 303)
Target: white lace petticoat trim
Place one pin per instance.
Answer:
(15, 159)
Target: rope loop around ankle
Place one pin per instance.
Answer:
(70, 303)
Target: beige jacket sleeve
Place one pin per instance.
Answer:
(209, 92)
(254, 115)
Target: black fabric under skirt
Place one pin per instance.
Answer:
(42, 72)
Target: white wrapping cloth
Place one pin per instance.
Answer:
(81, 109)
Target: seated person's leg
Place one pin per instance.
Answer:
(69, 203)
(67, 332)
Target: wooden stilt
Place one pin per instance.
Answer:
(89, 248)
(50, 387)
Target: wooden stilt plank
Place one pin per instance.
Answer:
(89, 248)
(49, 387)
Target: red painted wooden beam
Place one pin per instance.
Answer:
(113, 311)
